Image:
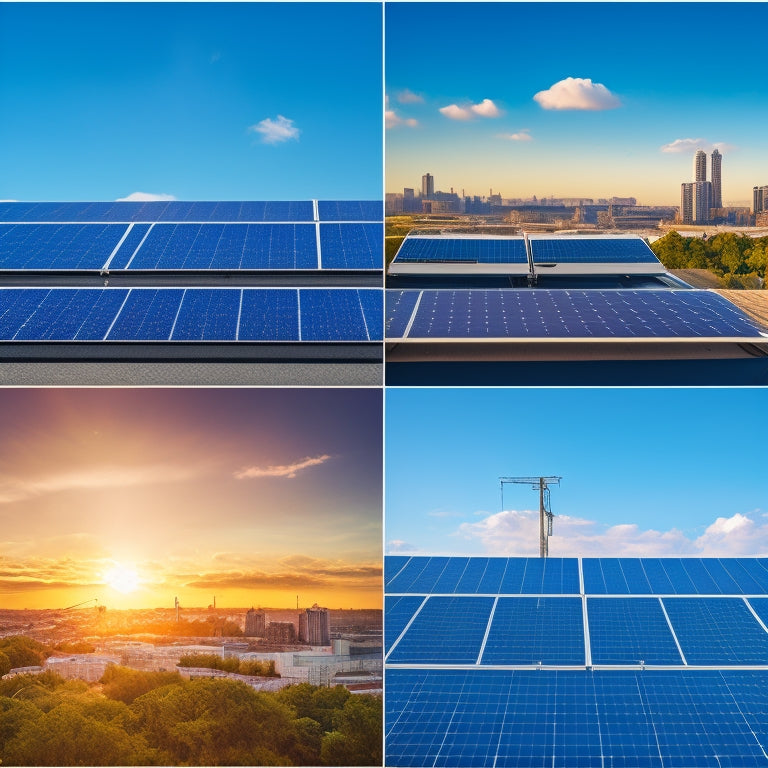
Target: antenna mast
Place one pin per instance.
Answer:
(545, 511)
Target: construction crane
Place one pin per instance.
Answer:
(85, 602)
(545, 511)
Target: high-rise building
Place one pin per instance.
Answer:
(759, 199)
(427, 185)
(700, 165)
(315, 626)
(255, 623)
(686, 202)
(717, 194)
(702, 201)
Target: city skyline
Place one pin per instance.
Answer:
(135, 497)
(190, 101)
(610, 108)
(644, 472)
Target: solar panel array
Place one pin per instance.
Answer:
(629, 662)
(301, 239)
(463, 249)
(564, 314)
(190, 314)
(194, 240)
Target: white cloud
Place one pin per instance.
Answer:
(486, 108)
(276, 131)
(144, 197)
(577, 93)
(409, 97)
(397, 546)
(281, 470)
(517, 533)
(392, 120)
(686, 146)
(521, 135)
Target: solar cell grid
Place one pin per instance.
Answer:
(350, 210)
(352, 246)
(717, 631)
(463, 249)
(393, 564)
(760, 607)
(399, 611)
(630, 631)
(591, 250)
(530, 630)
(447, 630)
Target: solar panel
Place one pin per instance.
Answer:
(566, 314)
(190, 314)
(352, 246)
(350, 210)
(621, 679)
(630, 250)
(463, 249)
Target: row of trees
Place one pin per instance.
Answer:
(740, 261)
(145, 718)
(231, 664)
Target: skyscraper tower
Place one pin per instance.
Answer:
(427, 185)
(717, 196)
(700, 165)
(314, 626)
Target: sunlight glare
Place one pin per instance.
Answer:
(122, 579)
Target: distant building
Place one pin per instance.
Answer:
(427, 185)
(759, 199)
(686, 202)
(717, 192)
(700, 165)
(255, 623)
(702, 201)
(315, 626)
(280, 632)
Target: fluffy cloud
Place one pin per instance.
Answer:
(521, 135)
(517, 532)
(486, 108)
(409, 97)
(276, 131)
(281, 470)
(688, 146)
(577, 93)
(144, 197)
(392, 120)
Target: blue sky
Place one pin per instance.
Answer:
(675, 75)
(644, 471)
(197, 101)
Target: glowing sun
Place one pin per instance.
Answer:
(122, 579)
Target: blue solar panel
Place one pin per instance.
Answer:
(57, 246)
(565, 718)
(228, 247)
(533, 630)
(628, 250)
(400, 611)
(473, 250)
(447, 630)
(350, 210)
(760, 607)
(587, 314)
(399, 309)
(393, 564)
(717, 631)
(352, 246)
(191, 314)
(630, 631)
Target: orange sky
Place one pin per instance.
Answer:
(135, 497)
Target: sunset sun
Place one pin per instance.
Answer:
(122, 579)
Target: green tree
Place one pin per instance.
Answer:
(357, 737)
(126, 685)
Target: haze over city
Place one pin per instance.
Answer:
(574, 99)
(135, 497)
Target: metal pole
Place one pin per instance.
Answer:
(543, 549)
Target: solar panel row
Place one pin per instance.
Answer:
(564, 314)
(554, 575)
(591, 250)
(618, 719)
(180, 211)
(471, 250)
(695, 631)
(181, 247)
(190, 314)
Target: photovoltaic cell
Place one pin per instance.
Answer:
(352, 246)
(447, 630)
(399, 611)
(630, 631)
(332, 315)
(399, 308)
(463, 249)
(629, 250)
(571, 314)
(147, 315)
(393, 564)
(536, 630)
(269, 315)
(717, 631)
(350, 210)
